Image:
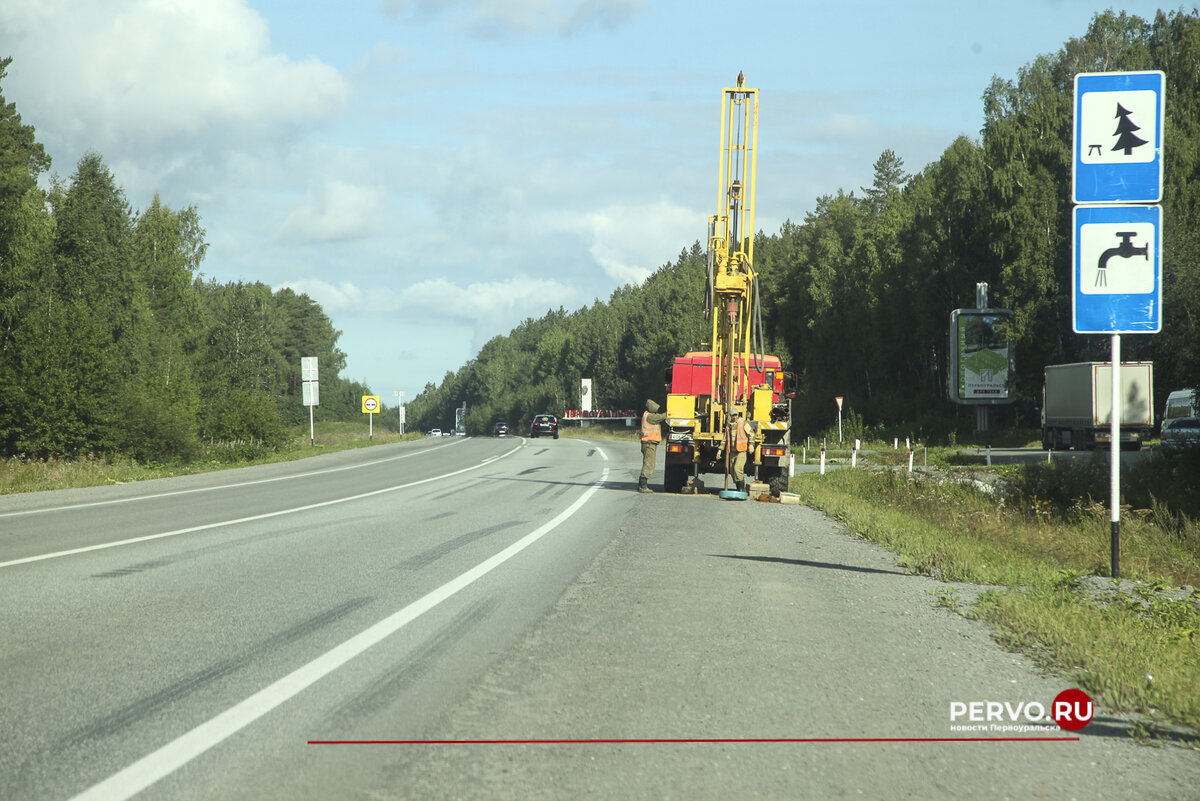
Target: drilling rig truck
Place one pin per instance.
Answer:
(705, 388)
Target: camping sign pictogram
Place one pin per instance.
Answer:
(1118, 137)
(1118, 126)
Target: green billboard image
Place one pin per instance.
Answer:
(982, 359)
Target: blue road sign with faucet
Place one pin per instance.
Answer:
(1116, 280)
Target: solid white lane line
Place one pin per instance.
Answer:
(133, 779)
(222, 523)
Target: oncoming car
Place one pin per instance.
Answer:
(544, 425)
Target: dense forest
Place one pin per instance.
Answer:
(857, 297)
(111, 342)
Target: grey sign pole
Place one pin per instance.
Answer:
(1114, 479)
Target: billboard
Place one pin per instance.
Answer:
(982, 370)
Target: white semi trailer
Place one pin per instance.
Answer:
(1077, 405)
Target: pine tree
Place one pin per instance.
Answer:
(1127, 141)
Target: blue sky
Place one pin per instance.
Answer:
(433, 172)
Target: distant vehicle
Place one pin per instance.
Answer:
(1182, 432)
(1077, 405)
(500, 430)
(544, 425)
(437, 432)
(1181, 403)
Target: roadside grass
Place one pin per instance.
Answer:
(922, 436)
(1126, 656)
(35, 475)
(618, 432)
(890, 453)
(1135, 653)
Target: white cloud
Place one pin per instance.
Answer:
(331, 297)
(341, 211)
(161, 85)
(490, 19)
(629, 242)
(616, 268)
(514, 298)
(480, 303)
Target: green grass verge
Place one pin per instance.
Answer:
(36, 475)
(1131, 654)
(617, 432)
(1125, 656)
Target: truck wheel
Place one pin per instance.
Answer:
(776, 478)
(675, 476)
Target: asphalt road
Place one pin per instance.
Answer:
(309, 630)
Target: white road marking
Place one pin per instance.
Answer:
(223, 523)
(133, 779)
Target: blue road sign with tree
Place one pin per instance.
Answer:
(1118, 137)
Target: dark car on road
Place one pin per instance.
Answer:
(1183, 432)
(544, 425)
(500, 430)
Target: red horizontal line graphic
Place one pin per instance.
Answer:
(707, 740)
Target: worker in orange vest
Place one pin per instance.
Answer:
(740, 448)
(651, 436)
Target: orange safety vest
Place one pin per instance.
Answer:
(650, 431)
(741, 441)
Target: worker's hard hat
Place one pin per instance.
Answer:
(651, 407)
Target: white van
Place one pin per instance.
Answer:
(1181, 403)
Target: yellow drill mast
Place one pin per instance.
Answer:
(706, 387)
(732, 290)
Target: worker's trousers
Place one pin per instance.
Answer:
(649, 449)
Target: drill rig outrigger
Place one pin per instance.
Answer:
(705, 388)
